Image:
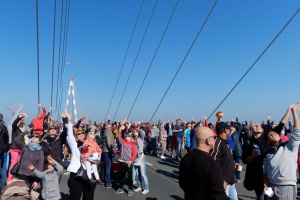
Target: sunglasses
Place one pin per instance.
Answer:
(215, 137)
(36, 136)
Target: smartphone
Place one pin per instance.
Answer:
(30, 125)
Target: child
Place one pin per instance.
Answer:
(50, 179)
(128, 154)
(90, 155)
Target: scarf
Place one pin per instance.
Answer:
(34, 146)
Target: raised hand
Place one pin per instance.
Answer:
(69, 116)
(205, 118)
(40, 105)
(63, 115)
(50, 159)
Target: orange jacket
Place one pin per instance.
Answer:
(89, 147)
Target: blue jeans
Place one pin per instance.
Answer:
(107, 159)
(237, 173)
(141, 170)
(231, 192)
(153, 145)
(4, 163)
(260, 195)
(179, 146)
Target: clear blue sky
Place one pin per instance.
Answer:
(99, 31)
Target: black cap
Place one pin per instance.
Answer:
(221, 126)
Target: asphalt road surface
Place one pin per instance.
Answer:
(163, 181)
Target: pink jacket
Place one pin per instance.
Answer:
(89, 147)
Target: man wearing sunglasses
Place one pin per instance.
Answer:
(223, 154)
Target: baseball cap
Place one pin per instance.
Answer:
(221, 126)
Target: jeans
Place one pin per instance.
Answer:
(237, 173)
(260, 195)
(141, 171)
(231, 192)
(4, 163)
(179, 146)
(153, 145)
(107, 158)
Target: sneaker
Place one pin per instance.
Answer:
(162, 157)
(238, 181)
(99, 182)
(172, 156)
(145, 191)
(130, 193)
(134, 183)
(109, 186)
(67, 173)
(92, 180)
(138, 189)
(119, 191)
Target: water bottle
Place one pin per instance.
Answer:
(256, 149)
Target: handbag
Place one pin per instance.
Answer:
(82, 174)
(15, 169)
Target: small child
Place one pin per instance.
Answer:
(50, 179)
(91, 153)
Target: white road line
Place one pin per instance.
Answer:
(148, 164)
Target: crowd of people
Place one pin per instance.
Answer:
(34, 153)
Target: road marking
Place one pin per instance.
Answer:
(148, 164)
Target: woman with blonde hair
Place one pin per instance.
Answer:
(163, 138)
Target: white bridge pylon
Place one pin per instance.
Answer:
(71, 88)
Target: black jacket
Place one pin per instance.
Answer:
(4, 146)
(200, 176)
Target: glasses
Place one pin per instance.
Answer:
(215, 137)
(36, 136)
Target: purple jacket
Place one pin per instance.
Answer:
(29, 157)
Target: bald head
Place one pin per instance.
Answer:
(203, 133)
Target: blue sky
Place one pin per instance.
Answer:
(99, 32)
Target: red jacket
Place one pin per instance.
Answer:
(38, 123)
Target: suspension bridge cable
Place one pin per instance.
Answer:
(64, 49)
(153, 57)
(58, 67)
(137, 19)
(204, 23)
(136, 58)
(38, 48)
(264, 51)
(53, 49)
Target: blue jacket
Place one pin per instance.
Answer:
(236, 137)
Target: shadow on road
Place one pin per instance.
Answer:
(176, 197)
(248, 197)
(173, 175)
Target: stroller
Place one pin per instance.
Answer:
(18, 190)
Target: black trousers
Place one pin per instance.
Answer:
(125, 169)
(78, 188)
(168, 143)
